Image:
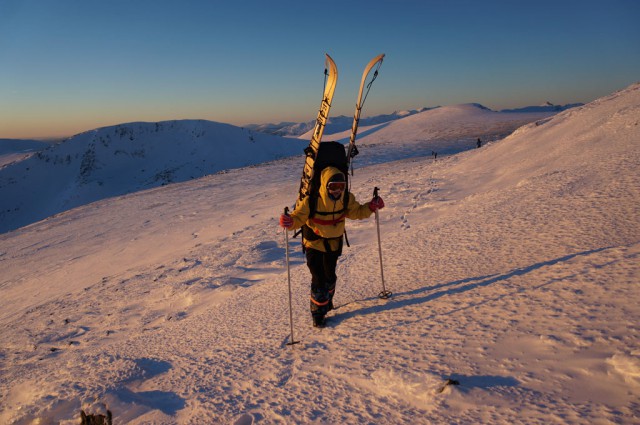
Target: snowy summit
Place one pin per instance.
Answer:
(514, 269)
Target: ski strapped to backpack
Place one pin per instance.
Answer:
(375, 62)
(331, 79)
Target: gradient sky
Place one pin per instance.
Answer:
(68, 66)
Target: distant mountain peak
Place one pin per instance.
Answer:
(479, 106)
(545, 107)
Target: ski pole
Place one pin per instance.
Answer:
(286, 250)
(384, 294)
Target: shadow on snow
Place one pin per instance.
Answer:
(404, 299)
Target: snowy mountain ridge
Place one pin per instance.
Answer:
(342, 123)
(125, 158)
(545, 107)
(334, 124)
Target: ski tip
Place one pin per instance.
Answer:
(377, 59)
(331, 67)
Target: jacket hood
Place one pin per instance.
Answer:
(325, 177)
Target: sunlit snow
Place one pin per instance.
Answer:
(514, 269)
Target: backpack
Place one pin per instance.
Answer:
(329, 154)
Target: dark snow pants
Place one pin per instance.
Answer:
(322, 266)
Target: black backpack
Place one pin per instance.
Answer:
(330, 154)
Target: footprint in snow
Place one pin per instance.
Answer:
(244, 419)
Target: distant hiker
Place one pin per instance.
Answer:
(435, 155)
(323, 235)
(479, 143)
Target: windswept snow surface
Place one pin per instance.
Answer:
(514, 270)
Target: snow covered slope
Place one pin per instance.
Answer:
(126, 158)
(445, 130)
(514, 269)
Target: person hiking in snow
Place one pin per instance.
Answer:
(323, 235)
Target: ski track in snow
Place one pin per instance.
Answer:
(516, 279)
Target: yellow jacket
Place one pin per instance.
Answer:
(329, 226)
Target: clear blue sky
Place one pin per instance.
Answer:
(72, 65)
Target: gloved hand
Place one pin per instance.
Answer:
(376, 204)
(286, 221)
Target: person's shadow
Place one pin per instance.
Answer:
(410, 298)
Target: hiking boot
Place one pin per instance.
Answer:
(318, 321)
